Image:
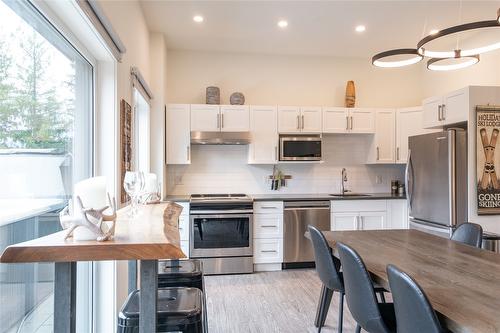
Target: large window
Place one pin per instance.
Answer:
(46, 113)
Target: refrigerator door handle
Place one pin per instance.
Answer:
(408, 181)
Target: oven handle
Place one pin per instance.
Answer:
(220, 215)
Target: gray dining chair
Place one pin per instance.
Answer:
(370, 315)
(414, 312)
(468, 233)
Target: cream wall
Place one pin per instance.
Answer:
(485, 73)
(289, 80)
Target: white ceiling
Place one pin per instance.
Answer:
(315, 27)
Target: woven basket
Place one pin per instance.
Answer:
(213, 95)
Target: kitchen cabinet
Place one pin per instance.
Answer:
(263, 148)
(178, 134)
(383, 147)
(448, 109)
(408, 123)
(293, 119)
(217, 118)
(268, 235)
(398, 217)
(359, 214)
(184, 227)
(205, 118)
(234, 118)
(348, 120)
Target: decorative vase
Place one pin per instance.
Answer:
(350, 95)
(237, 98)
(213, 95)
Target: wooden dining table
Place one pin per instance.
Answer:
(146, 237)
(462, 282)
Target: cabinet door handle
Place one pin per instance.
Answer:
(275, 153)
(298, 122)
(397, 153)
(378, 153)
(269, 226)
(222, 120)
(302, 121)
(218, 120)
(443, 114)
(188, 153)
(352, 122)
(268, 207)
(347, 123)
(268, 251)
(439, 112)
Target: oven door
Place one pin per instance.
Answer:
(224, 235)
(299, 148)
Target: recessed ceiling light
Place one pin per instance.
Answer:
(198, 18)
(282, 24)
(360, 28)
(433, 31)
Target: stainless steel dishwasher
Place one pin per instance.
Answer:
(297, 249)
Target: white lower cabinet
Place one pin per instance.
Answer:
(268, 235)
(268, 251)
(368, 214)
(184, 227)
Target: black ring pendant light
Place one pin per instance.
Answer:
(440, 60)
(454, 30)
(411, 57)
(447, 64)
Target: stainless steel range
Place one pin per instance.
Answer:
(221, 232)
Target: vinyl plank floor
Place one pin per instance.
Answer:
(266, 302)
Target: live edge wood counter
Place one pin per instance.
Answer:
(147, 238)
(461, 282)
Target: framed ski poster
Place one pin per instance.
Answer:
(488, 159)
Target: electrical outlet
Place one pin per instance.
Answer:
(378, 179)
(178, 179)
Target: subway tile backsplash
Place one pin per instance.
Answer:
(224, 169)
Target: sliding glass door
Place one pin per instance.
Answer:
(46, 121)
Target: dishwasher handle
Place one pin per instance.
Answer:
(306, 204)
(307, 208)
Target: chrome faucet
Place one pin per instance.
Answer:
(344, 180)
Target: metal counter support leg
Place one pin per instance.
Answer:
(132, 275)
(65, 297)
(149, 296)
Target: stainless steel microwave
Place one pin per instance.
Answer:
(300, 148)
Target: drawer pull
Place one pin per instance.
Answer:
(269, 226)
(268, 207)
(268, 251)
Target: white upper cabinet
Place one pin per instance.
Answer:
(178, 134)
(205, 117)
(408, 123)
(362, 120)
(383, 149)
(263, 148)
(335, 120)
(449, 109)
(455, 107)
(234, 118)
(310, 119)
(289, 119)
(348, 120)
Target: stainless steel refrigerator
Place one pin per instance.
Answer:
(436, 181)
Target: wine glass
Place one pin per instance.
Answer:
(133, 183)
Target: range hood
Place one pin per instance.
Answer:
(220, 138)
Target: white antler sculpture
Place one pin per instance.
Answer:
(91, 219)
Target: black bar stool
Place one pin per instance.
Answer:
(179, 310)
(180, 273)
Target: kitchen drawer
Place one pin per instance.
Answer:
(266, 251)
(268, 226)
(184, 227)
(358, 205)
(185, 247)
(268, 207)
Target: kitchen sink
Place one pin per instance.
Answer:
(350, 195)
